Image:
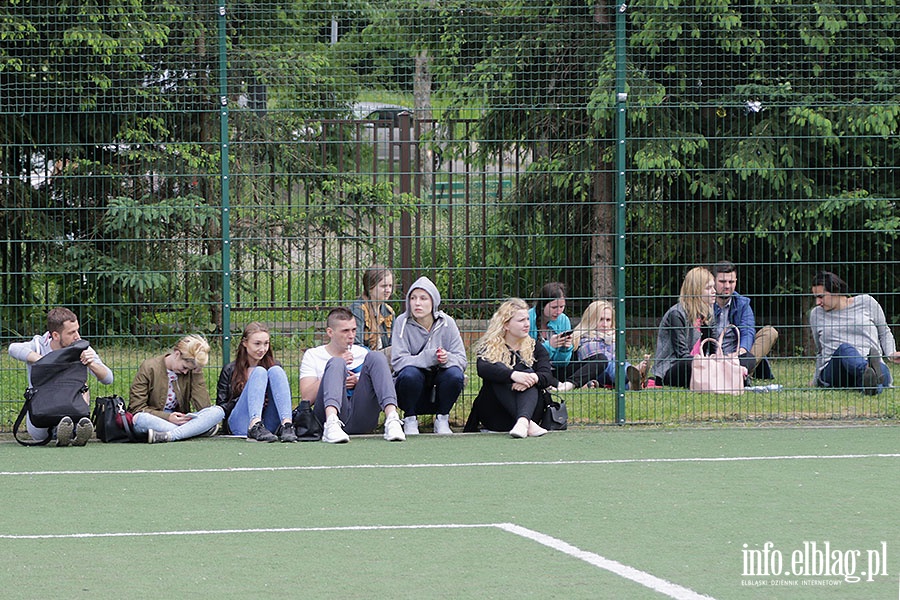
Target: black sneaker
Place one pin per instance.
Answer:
(875, 364)
(286, 433)
(259, 433)
(211, 431)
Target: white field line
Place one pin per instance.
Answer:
(672, 590)
(647, 580)
(611, 461)
(62, 536)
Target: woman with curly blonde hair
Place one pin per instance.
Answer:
(514, 372)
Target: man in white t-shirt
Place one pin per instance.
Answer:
(348, 385)
(62, 332)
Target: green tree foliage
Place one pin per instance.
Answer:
(111, 130)
(792, 106)
(70, 71)
(532, 67)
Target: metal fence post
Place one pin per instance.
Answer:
(621, 97)
(226, 208)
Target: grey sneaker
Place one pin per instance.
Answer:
(259, 433)
(872, 377)
(870, 382)
(286, 433)
(83, 432)
(64, 432)
(158, 437)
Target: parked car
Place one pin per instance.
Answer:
(384, 127)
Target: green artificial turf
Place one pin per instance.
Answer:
(230, 518)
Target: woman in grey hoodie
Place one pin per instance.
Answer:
(428, 358)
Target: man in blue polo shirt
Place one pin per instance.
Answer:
(733, 309)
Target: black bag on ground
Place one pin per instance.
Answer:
(58, 383)
(306, 425)
(556, 416)
(112, 423)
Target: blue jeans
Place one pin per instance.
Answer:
(846, 368)
(252, 403)
(437, 399)
(204, 420)
(609, 375)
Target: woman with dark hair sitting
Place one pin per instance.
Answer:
(552, 329)
(374, 316)
(254, 391)
(851, 337)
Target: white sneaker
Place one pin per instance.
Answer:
(411, 425)
(565, 386)
(442, 425)
(333, 432)
(393, 429)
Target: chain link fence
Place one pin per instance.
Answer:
(181, 167)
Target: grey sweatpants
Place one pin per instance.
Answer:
(358, 411)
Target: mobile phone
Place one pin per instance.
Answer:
(566, 333)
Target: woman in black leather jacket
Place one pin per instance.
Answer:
(682, 328)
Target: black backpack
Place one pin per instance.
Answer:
(58, 382)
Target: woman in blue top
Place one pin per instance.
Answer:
(551, 327)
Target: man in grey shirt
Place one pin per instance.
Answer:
(851, 337)
(62, 331)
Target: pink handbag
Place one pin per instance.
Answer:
(717, 373)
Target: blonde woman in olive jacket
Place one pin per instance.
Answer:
(169, 397)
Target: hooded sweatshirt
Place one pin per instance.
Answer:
(414, 346)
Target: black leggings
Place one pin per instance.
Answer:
(678, 375)
(580, 372)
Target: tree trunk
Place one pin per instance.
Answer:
(603, 237)
(424, 154)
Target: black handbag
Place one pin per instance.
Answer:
(58, 384)
(556, 416)
(112, 423)
(306, 425)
